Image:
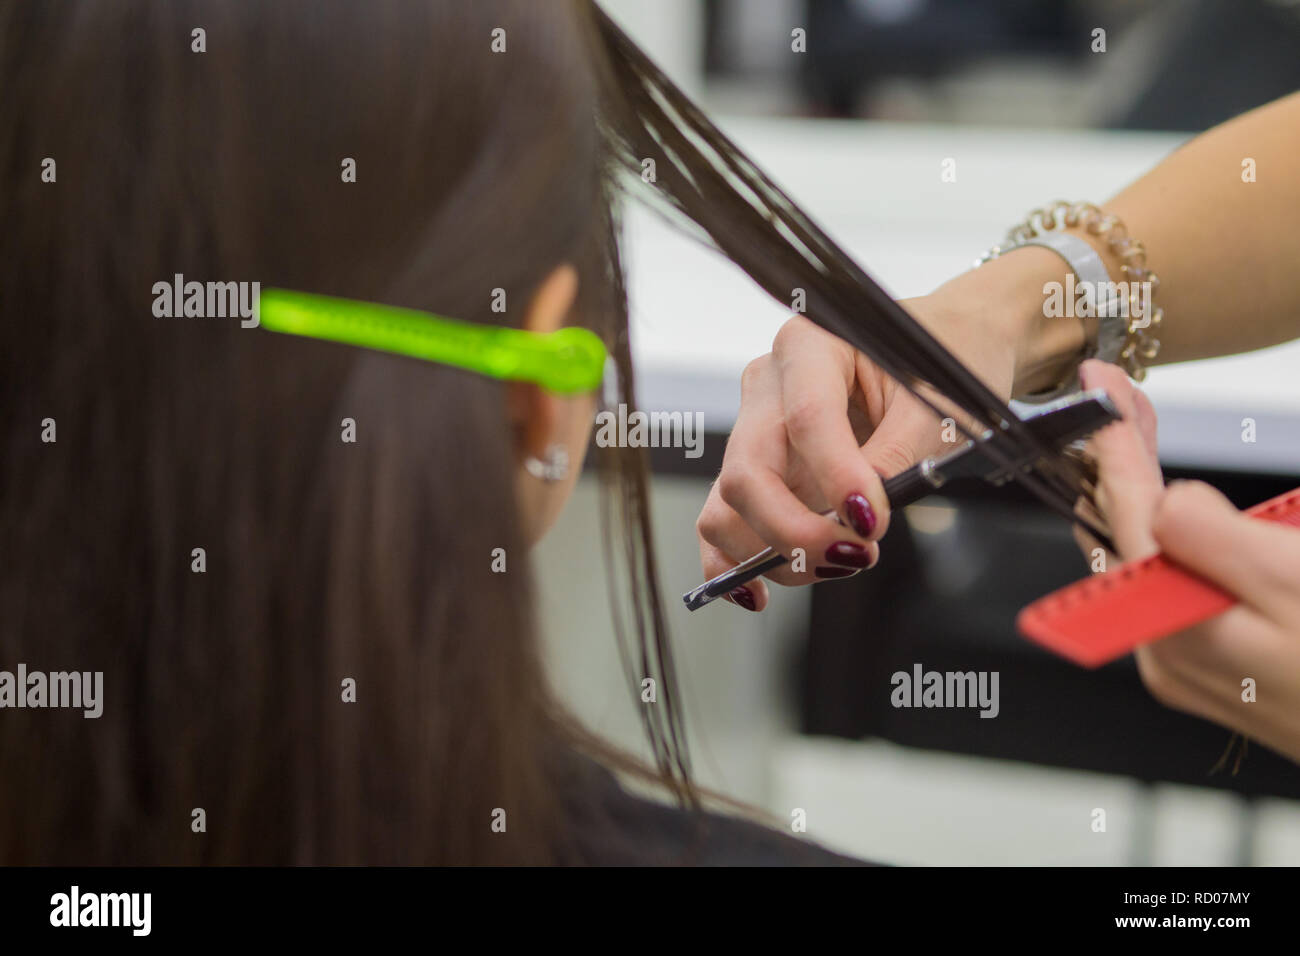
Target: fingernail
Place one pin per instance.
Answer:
(824, 572)
(849, 555)
(744, 597)
(861, 517)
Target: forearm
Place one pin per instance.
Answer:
(1227, 253)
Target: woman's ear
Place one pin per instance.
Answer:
(534, 411)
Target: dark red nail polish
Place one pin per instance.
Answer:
(744, 597)
(823, 572)
(861, 518)
(849, 555)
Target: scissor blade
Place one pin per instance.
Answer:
(1058, 425)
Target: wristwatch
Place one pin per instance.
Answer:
(1085, 262)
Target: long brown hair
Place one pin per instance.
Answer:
(370, 561)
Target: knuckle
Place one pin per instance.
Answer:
(710, 523)
(754, 372)
(1175, 503)
(893, 456)
(731, 486)
(1164, 515)
(802, 415)
(791, 332)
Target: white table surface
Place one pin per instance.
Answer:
(697, 319)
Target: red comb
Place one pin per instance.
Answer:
(1098, 619)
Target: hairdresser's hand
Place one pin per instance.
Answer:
(819, 424)
(1202, 670)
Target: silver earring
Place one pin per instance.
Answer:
(553, 466)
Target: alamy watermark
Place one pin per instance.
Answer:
(72, 689)
(1076, 298)
(624, 429)
(922, 688)
(75, 908)
(208, 300)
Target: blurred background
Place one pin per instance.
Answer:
(791, 710)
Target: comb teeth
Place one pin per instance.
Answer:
(1284, 509)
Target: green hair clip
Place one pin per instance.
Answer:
(566, 361)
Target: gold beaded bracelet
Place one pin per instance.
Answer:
(1140, 344)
